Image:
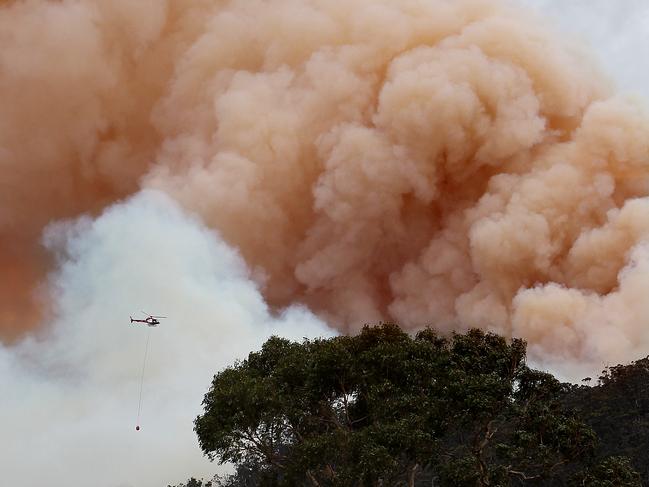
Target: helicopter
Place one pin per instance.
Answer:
(150, 320)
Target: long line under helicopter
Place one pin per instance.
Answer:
(150, 321)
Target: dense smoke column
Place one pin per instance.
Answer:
(78, 82)
(444, 162)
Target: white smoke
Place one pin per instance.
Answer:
(70, 394)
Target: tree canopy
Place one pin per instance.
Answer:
(385, 408)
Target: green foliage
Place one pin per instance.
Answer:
(617, 408)
(610, 472)
(382, 408)
(192, 482)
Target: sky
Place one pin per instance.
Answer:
(154, 168)
(616, 32)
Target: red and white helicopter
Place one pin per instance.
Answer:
(150, 320)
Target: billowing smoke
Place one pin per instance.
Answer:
(445, 162)
(71, 393)
(438, 162)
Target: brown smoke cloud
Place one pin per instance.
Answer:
(445, 162)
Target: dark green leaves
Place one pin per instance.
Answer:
(385, 408)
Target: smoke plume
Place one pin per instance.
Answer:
(70, 393)
(250, 167)
(447, 163)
